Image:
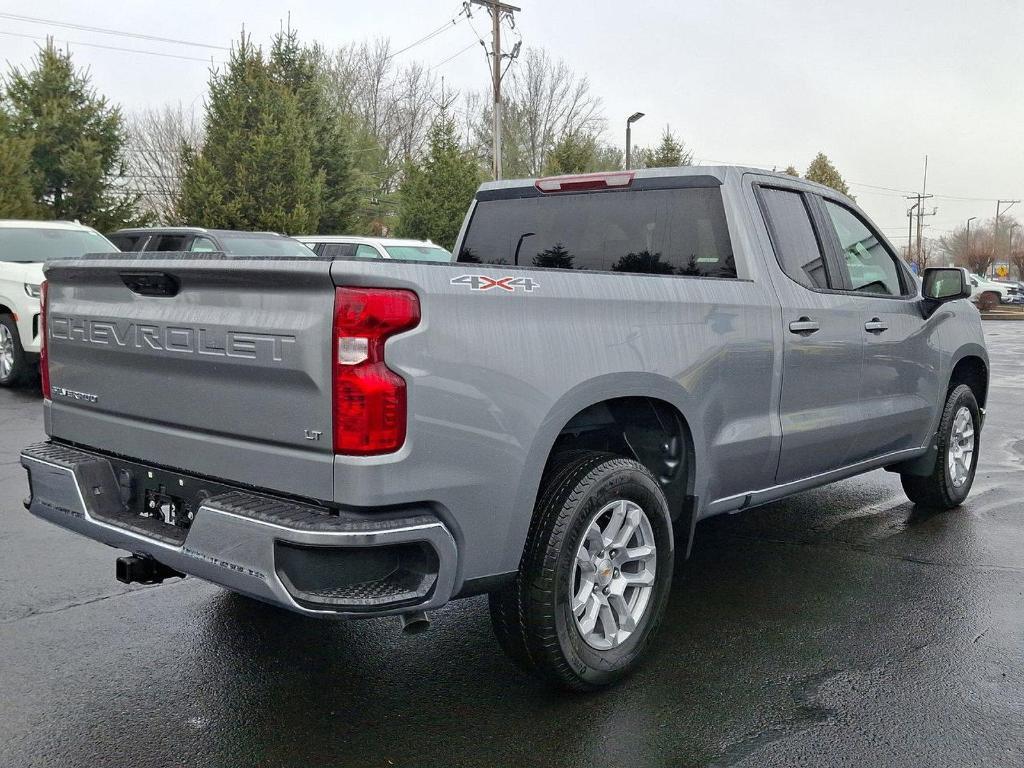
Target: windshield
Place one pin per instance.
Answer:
(28, 245)
(418, 253)
(248, 245)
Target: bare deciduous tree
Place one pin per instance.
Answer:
(986, 247)
(544, 101)
(156, 139)
(392, 104)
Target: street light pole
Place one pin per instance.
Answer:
(629, 149)
(995, 232)
(967, 247)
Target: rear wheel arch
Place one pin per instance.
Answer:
(647, 429)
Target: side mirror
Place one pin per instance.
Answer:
(943, 284)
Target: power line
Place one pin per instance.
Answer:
(449, 24)
(110, 47)
(459, 53)
(106, 31)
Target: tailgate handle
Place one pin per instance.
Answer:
(151, 283)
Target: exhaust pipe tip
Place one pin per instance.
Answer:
(414, 623)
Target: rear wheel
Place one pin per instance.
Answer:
(958, 442)
(14, 367)
(594, 577)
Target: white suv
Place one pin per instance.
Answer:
(24, 247)
(988, 294)
(351, 247)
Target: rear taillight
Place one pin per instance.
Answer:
(44, 352)
(369, 398)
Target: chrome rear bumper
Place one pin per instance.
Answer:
(248, 542)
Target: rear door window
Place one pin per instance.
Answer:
(367, 252)
(128, 242)
(203, 245)
(337, 250)
(170, 243)
(870, 266)
(796, 245)
(659, 232)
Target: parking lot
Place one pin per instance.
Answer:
(835, 628)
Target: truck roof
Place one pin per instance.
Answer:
(713, 174)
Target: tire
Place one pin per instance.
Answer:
(988, 300)
(947, 487)
(621, 597)
(14, 367)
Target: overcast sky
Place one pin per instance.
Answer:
(875, 84)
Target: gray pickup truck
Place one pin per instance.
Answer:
(611, 359)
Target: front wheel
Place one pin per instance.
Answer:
(958, 440)
(595, 574)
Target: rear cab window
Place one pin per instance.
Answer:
(681, 232)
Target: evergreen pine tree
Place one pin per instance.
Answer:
(437, 191)
(75, 140)
(671, 152)
(822, 171)
(255, 169)
(17, 198)
(299, 69)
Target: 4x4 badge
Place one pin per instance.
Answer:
(485, 283)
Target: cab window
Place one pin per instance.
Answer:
(869, 265)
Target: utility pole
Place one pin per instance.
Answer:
(920, 197)
(497, 9)
(910, 225)
(917, 209)
(995, 232)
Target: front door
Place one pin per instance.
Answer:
(823, 339)
(900, 381)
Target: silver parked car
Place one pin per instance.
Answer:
(352, 247)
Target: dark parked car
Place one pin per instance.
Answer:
(207, 240)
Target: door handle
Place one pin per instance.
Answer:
(804, 326)
(874, 325)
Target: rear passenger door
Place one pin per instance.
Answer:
(900, 385)
(822, 331)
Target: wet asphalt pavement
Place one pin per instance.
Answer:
(836, 628)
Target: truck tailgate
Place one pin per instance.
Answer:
(217, 366)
